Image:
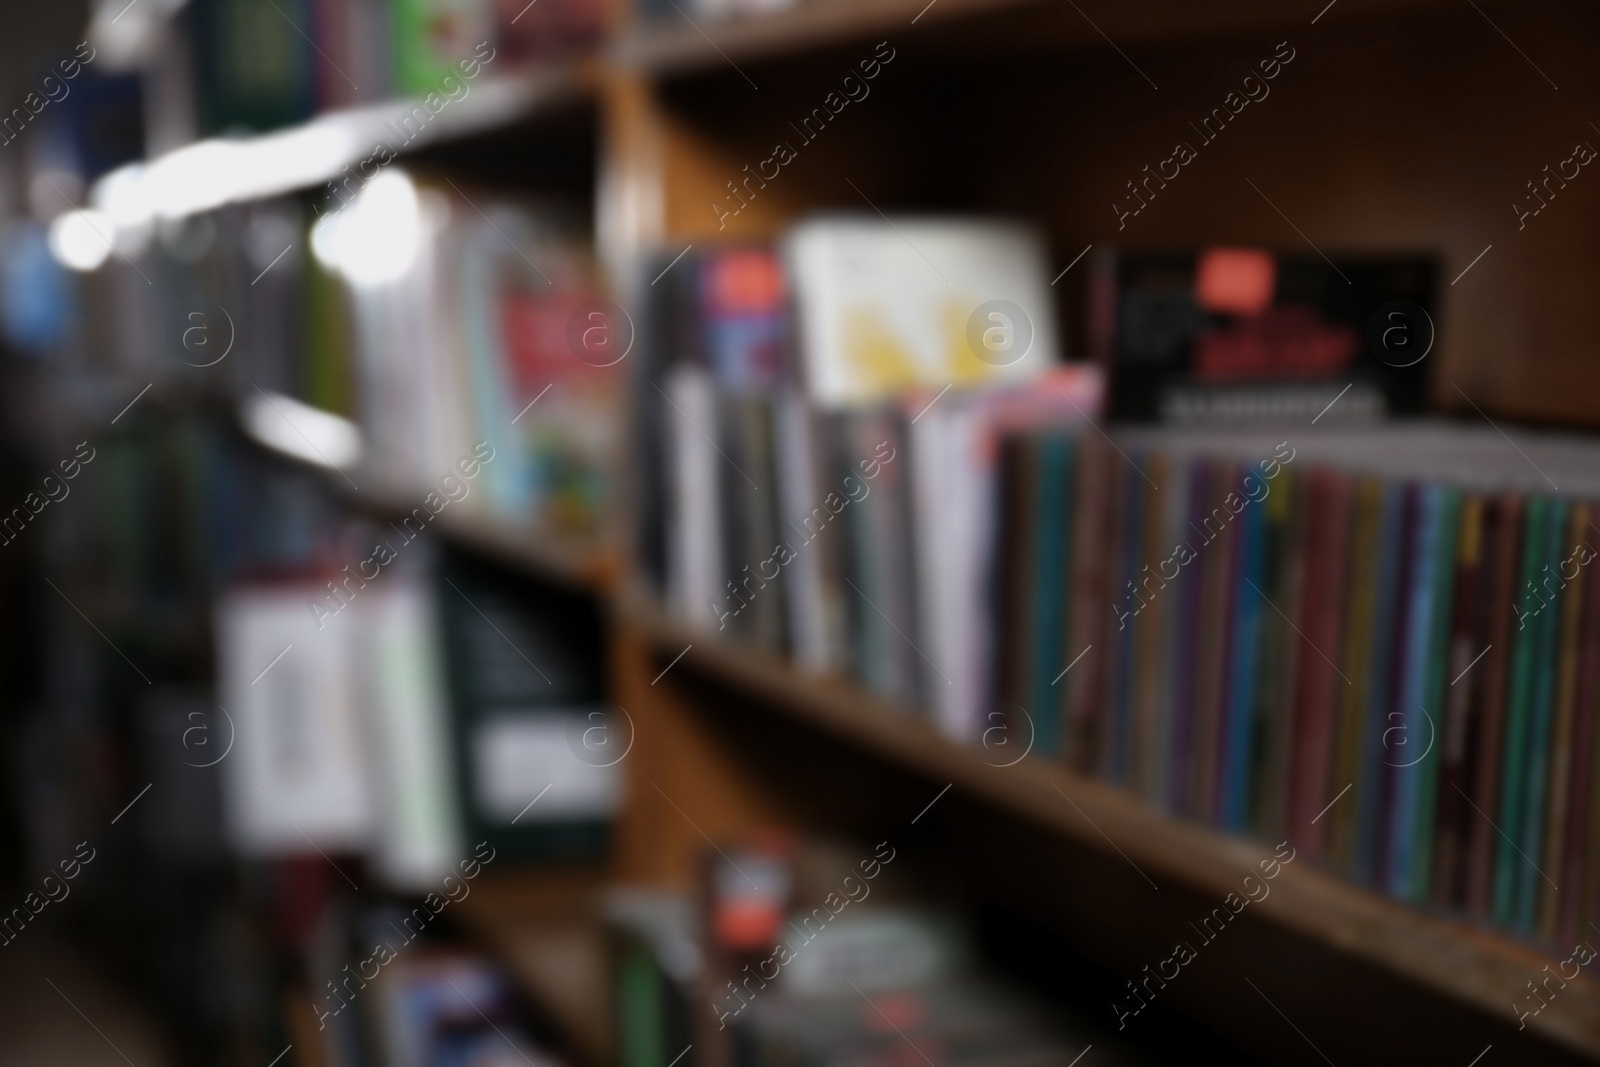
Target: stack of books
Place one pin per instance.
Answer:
(430, 315)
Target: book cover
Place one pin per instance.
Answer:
(1519, 696)
(1510, 526)
(1351, 768)
(1466, 611)
(1579, 804)
(1147, 639)
(1541, 708)
(1424, 805)
(537, 746)
(1281, 651)
(1084, 656)
(1054, 560)
(1192, 594)
(1562, 714)
(1130, 604)
(1370, 787)
(1235, 756)
(885, 306)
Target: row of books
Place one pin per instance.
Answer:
(797, 951)
(429, 316)
(378, 695)
(796, 436)
(1383, 646)
(387, 985)
(1377, 644)
(269, 63)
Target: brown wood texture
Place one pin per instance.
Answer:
(1482, 968)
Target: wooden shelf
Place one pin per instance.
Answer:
(1485, 969)
(538, 553)
(543, 925)
(186, 180)
(676, 45)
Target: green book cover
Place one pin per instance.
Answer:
(432, 36)
(1433, 694)
(1530, 834)
(1052, 564)
(1513, 755)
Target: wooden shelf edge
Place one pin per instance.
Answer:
(495, 102)
(682, 47)
(543, 925)
(679, 45)
(1481, 967)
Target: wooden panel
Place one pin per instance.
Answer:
(543, 924)
(686, 786)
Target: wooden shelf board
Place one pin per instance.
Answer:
(324, 146)
(543, 924)
(1484, 968)
(677, 45)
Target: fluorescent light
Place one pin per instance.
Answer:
(309, 434)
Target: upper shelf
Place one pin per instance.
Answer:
(222, 170)
(685, 42)
(1485, 969)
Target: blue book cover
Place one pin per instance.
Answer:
(1518, 696)
(1531, 836)
(1432, 744)
(1233, 786)
(1370, 785)
(1191, 587)
(1405, 744)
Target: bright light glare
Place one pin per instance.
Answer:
(302, 431)
(80, 240)
(375, 240)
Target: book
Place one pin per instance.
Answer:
(884, 306)
(536, 745)
(298, 781)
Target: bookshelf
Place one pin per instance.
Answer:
(673, 127)
(1480, 967)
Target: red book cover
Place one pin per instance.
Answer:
(1316, 695)
(1091, 621)
(1216, 530)
(1313, 593)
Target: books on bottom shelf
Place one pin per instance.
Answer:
(446, 701)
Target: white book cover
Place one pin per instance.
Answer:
(694, 541)
(884, 306)
(407, 710)
(798, 484)
(297, 779)
(955, 503)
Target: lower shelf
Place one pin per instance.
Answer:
(543, 925)
(1483, 968)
